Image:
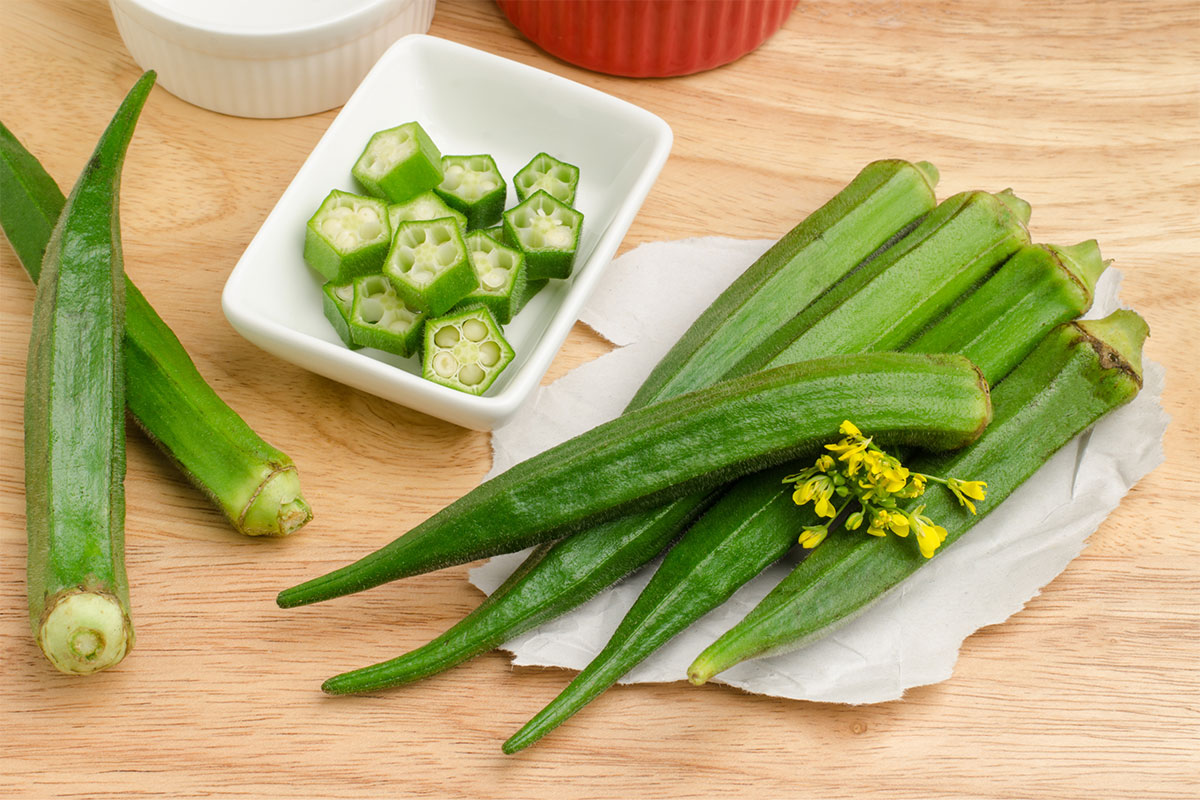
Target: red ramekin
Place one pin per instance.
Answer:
(647, 38)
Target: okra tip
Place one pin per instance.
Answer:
(1082, 261)
(1118, 339)
(1016, 205)
(930, 172)
(82, 632)
(277, 508)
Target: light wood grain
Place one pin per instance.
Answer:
(1090, 110)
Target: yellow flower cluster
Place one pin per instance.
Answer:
(855, 471)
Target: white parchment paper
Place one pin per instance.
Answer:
(911, 637)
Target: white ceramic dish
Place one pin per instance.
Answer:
(264, 58)
(469, 102)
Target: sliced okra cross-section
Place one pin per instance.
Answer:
(500, 273)
(474, 186)
(337, 300)
(425, 206)
(465, 350)
(547, 231)
(546, 173)
(398, 163)
(428, 265)
(381, 319)
(348, 236)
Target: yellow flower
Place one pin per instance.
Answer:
(848, 428)
(929, 535)
(825, 463)
(854, 521)
(813, 535)
(967, 489)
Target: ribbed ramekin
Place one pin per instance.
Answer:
(647, 38)
(271, 61)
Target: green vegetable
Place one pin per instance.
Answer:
(428, 265)
(381, 319)
(694, 441)
(465, 350)
(254, 485)
(399, 163)
(547, 232)
(546, 173)
(75, 421)
(425, 206)
(1080, 372)
(347, 236)
(473, 185)
(757, 522)
(500, 275)
(337, 301)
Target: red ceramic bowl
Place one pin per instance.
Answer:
(647, 38)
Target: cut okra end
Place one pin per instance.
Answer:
(428, 265)
(546, 173)
(348, 236)
(546, 231)
(399, 163)
(381, 318)
(474, 186)
(337, 302)
(424, 207)
(465, 350)
(500, 275)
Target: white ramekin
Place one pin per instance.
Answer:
(264, 58)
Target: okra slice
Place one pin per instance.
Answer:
(348, 236)
(338, 302)
(546, 173)
(547, 231)
(474, 186)
(465, 350)
(500, 273)
(428, 265)
(425, 206)
(381, 319)
(398, 163)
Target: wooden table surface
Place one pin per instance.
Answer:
(1090, 110)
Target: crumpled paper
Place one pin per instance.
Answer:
(911, 637)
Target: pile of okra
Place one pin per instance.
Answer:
(427, 262)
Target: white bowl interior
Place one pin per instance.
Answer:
(469, 102)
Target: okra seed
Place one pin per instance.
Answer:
(346, 240)
(371, 310)
(489, 353)
(447, 336)
(370, 230)
(344, 293)
(494, 279)
(445, 364)
(559, 237)
(474, 330)
(447, 254)
(470, 375)
(422, 275)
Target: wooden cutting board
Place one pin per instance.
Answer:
(1090, 110)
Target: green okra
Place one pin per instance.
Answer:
(428, 265)
(1080, 372)
(347, 236)
(75, 420)
(255, 485)
(756, 522)
(500, 275)
(422, 207)
(547, 232)
(546, 173)
(885, 199)
(692, 442)
(473, 185)
(380, 318)
(399, 163)
(465, 350)
(337, 302)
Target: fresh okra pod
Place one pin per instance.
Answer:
(500, 275)
(546, 173)
(348, 236)
(465, 350)
(1080, 372)
(474, 186)
(428, 265)
(547, 231)
(399, 163)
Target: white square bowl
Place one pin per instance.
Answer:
(469, 102)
